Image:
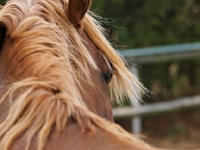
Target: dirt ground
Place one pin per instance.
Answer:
(178, 142)
(179, 130)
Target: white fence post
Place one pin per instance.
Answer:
(136, 121)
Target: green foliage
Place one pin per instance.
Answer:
(171, 80)
(175, 131)
(2, 2)
(142, 23)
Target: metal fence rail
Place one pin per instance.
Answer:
(155, 55)
(162, 53)
(157, 108)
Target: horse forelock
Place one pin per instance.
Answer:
(42, 53)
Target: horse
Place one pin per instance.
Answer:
(58, 77)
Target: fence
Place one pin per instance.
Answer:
(155, 55)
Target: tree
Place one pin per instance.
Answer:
(147, 23)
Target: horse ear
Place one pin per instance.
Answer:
(77, 10)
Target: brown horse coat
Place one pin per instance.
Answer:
(55, 69)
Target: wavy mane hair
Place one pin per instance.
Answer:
(43, 63)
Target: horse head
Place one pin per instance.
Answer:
(56, 69)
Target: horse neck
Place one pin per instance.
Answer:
(97, 139)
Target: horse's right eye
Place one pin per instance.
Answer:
(2, 35)
(108, 76)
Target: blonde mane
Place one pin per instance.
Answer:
(45, 62)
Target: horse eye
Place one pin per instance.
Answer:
(108, 76)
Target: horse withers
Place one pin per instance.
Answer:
(58, 76)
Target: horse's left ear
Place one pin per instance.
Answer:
(77, 10)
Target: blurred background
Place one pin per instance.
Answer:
(142, 25)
